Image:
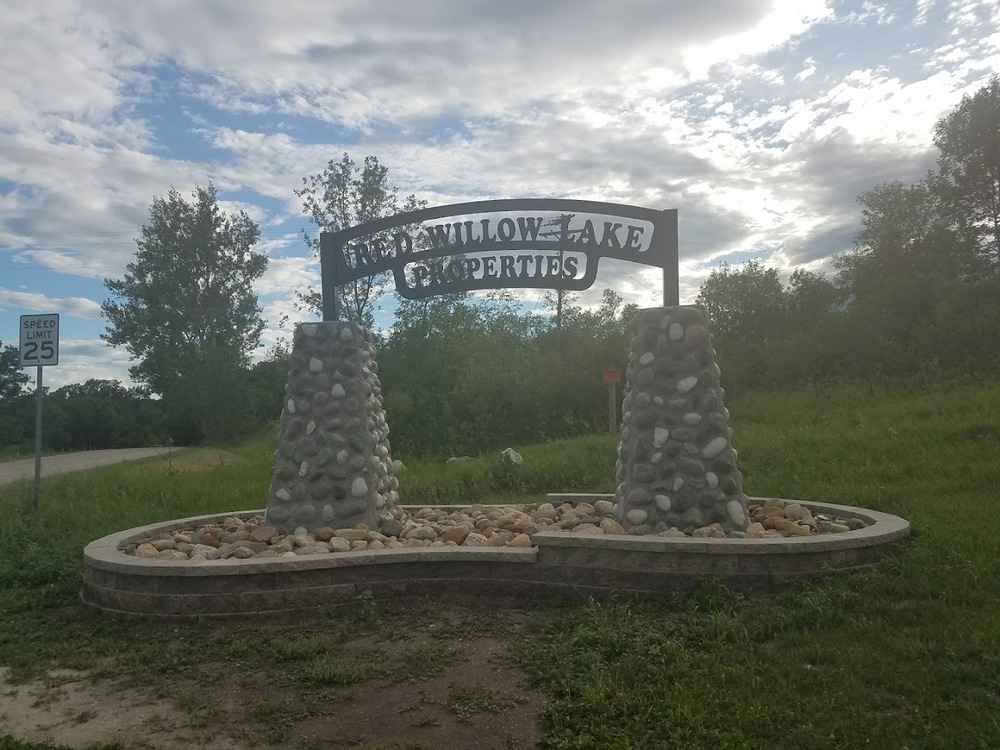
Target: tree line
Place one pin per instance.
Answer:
(919, 291)
(460, 374)
(101, 414)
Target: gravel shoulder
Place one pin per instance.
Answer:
(13, 471)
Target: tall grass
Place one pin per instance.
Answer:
(584, 464)
(904, 656)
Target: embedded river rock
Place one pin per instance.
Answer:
(676, 463)
(332, 467)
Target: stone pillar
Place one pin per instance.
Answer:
(332, 466)
(677, 465)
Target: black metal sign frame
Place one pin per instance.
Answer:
(548, 251)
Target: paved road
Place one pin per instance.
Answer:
(66, 462)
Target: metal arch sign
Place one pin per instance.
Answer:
(528, 243)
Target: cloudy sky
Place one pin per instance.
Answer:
(761, 121)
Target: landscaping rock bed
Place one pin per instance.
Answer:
(472, 526)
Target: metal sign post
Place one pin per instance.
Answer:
(612, 376)
(38, 437)
(39, 341)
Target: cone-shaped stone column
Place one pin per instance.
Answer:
(677, 465)
(332, 466)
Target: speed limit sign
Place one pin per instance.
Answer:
(39, 347)
(40, 340)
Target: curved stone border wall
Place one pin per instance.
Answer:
(561, 565)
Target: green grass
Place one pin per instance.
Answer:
(560, 466)
(907, 655)
(17, 453)
(903, 656)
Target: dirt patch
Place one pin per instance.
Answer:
(446, 681)
(70, 708)
(481, 702)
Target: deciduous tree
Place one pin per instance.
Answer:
(343, 196)
(12, 382)
(102, 414)
(811, 297)
(12, 377)
(745, 304)
(186, 310)
(969, 169)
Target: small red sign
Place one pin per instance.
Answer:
(611, 376)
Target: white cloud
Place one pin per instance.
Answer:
(81, 360)
(254, 212)
(786, 20)
(357, 62)
(923, 11)
(807, 71)
(36, 302)
(288, 274)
